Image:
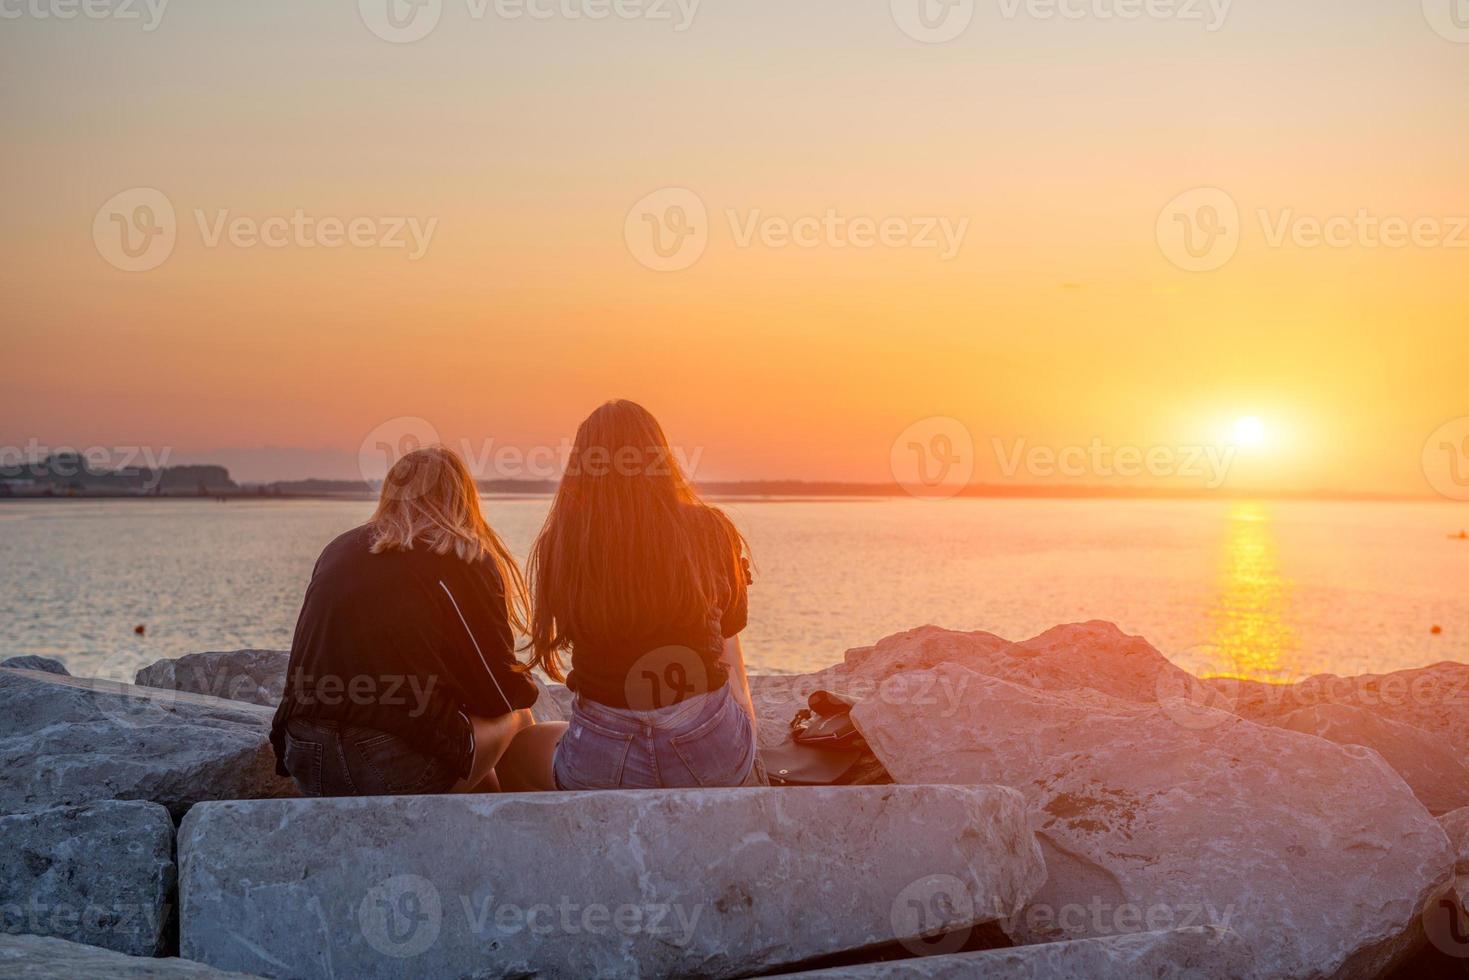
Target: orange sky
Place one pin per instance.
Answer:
(1061, 319)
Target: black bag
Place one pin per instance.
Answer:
(824, 748)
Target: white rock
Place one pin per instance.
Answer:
(553, 702)
(1436, 772)
(710, 883)
(254, 676)
(66, 740)
(1177, 954)
(100, 874)
(1316, 853)
(1095, 655)
(38, 958)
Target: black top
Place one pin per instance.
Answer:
(669, 662)
(402, 641)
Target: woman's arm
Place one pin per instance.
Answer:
(492, 736)
(733, 658)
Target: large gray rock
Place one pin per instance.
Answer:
(710, 883)
(1435, 771)
(254, 676)
(1317, 854)
(65, 740)
(1176, 954)
(39, 958)
(100, 874)
(30, 662)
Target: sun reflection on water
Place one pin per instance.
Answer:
(1252, 635)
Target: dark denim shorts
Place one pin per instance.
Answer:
(705, 741)
(327, 759)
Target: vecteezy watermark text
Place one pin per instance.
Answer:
(136, 230)
(406, 21)
(149, 12)
(936, 458)
(1208, 464)
(491, 459)
(670, 229)
(403, 916)
(940, 21)
(1201, 230)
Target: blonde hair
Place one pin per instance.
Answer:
(429, 498)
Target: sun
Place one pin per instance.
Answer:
(1249, 431)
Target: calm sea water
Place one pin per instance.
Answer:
(1278, 590)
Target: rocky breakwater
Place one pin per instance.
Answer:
(1156, 806)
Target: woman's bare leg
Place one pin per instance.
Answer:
(492, 737)
(526, 765)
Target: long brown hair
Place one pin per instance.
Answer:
(628, 546)
(429, 499)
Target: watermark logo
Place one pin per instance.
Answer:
(401, 917)
(1199, 230)
(136, 229)
(1446, 459)
(933, 459)
(933, 21)
(1448, 18)
(933, 915)
(1446, 923)
(126, 705)
(401, 21)
(1189, 700)
(389, 442)
(664, 677)
(668, 230)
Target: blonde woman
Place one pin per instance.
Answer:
(403, 677)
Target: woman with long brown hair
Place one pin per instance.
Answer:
(403, 677)
(644, 585)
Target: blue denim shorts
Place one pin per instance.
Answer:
(708, 740)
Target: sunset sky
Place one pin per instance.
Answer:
(1056, 144)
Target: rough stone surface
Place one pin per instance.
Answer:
(39, 958)
(100, 874)
(710, 883)
(1435, 699)
(1095, 655)
(45, 664)
(254, 676)
(66, 740)
(554, 703)
(1456, 825)
(1435, 771)
(1177, 954)
(1316, 853)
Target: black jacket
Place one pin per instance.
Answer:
(404, 642)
